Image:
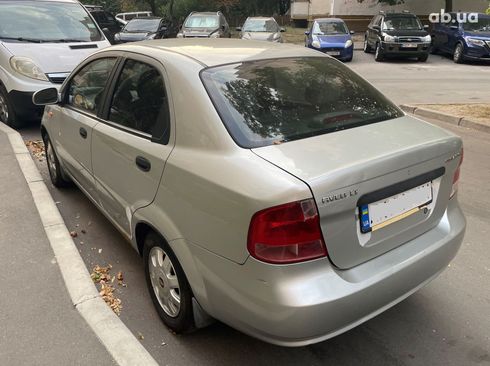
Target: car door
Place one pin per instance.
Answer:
(130, 147)
(374, 32)
(83, 96)
(448, 34)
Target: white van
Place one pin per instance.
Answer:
(41, 42)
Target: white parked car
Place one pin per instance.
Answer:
(41, 42)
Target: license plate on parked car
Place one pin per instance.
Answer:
(376, 215)
(333, 53)
(409, 45)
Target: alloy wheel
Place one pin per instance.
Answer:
(164, 281)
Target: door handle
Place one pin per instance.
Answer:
(83, 132)
(143, 164)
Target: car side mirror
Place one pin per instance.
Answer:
(46, 97)
(238, 29)
(377, 27)
(283, 30)
(307, 33)
(352, 32)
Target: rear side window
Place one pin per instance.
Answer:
(273, 101)
(140, 100)
(86, 88)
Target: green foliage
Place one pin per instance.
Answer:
(179, 9)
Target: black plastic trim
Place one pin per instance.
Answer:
(400, 187)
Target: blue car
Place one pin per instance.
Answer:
(464, 40)
(331, 36)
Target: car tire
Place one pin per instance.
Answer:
(55, 170)
(7, 113)
(168, 286)
(378, 54)
(348, 59)
(458, 56)
(423, 58)
(367, 47)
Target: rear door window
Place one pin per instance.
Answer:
(140, 100)
(274, 101)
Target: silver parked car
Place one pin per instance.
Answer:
(265, 185)
(261, 29)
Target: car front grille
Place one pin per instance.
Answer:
(328, 49)
(409, 39)
(57, 78)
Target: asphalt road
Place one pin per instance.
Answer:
(438, 80)
(446, 323)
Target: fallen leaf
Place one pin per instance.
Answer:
(140, 336)
(73, 234)
(83, 231)
(36, 147)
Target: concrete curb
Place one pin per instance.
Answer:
(121, 344)
(454, 120)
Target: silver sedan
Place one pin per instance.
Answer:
(267, 186)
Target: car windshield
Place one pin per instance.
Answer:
(402, 23)
(274, 101)
(142, 25)
(202, 21)
(483, 25)
(46, 21)
(261, 25)
(324, 28)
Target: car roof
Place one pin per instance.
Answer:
(260, 18)
(398, 15)
(53, 1)
(213, 52)
(331, 20)
(204, 13)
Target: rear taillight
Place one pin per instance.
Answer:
(456, 175)
(288, 233)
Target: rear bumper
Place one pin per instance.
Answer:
(397, 49)
(301, 304)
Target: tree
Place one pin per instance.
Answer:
(448, 3)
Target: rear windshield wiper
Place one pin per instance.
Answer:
(23, 39)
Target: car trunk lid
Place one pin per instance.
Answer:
(360, 166)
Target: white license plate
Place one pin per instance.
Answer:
(409, 45)
(333, 53)
(382, 213)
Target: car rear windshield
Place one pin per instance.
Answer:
(274, 101)
(46, 21)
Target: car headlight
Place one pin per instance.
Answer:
(151, 36)
(180, 35)
(215, 35)
(117, 37)
(247, 36)
(316, 44)
(427, 39)
(348, 43)
(388, 38)
(475, 42)
(27, 67)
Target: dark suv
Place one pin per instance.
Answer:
(106, 21)
(397, 34)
